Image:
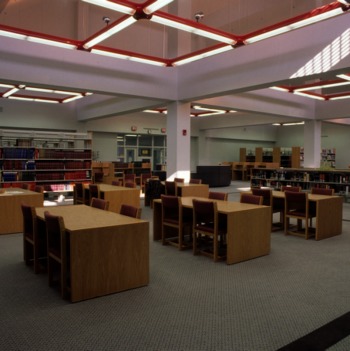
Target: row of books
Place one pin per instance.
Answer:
(13, 165)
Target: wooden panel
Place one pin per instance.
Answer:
(199, 190)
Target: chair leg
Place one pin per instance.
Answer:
(215, 243)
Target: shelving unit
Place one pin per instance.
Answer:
(339, 180)
(328, 157)
(52, 159)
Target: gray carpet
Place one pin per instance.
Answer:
(191, 303)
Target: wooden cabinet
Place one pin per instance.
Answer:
(339, 180)
(46, 158)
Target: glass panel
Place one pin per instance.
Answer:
(145, 140)
(159, 140)
(131, 140)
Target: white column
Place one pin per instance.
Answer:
(312, 144)
(178, 140)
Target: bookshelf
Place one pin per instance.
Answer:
(52, 159)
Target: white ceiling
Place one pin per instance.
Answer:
(236, 80)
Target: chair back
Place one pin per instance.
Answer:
(131, 211)
(25, 186)
(291, 188)
(117, 182)
(296, 203)
(129, 184)
(266, 195)
(251, 199)
(204, 215)
(99, 203)
(170, 188)
(144, 177)
(130, 178)
(179, 180)
(39, 189)
(195, 181)
(94, 191)
(322, 191)
(171, 209)
(55, 230)
(215, 195)
(29, 221)
(78, 193)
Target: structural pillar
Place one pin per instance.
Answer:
(179, 140)
(312, 144)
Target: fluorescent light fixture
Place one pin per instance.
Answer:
(112, 6)
(345, 2)
(131, 135)
(295, 25)
(276, 124)
(202, 55)
(330, 85)
(6, 86)
(210, 111)
(156, 6)
(46, 100)
(114, 29)
(280, 89)
(10, 92)
(52, 43)
(344, 76)
(164, 112)
(20, 98)
(13, 35)
(37, 40)
(194, 30)
(52, 91)
(127, 57)
(340, 97)
(316, 97)
(293, 123)
(72, 98)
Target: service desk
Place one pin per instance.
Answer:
(11, 218)
(197, 190)
(118, 195)
(329, 214)
(108, 252)
(248, 227)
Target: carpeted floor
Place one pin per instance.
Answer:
(191, 303)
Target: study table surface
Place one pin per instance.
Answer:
(118, 195)
(108, 252)
(248, 227)
(329, 214)
(11, 218)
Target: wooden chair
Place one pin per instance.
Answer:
(99, 203)
(207, 234)
(179, 180)
(195, 181)
(129, 184)
(78, 194)
(143, 180)
(25, 186)
(267, 201)
(173, 220)
(30, 237)
(39, 189)
(129, 177)
(297, 207)
(290, 188)
(322, 191)
(170, 188)
(94, 191)
(215, 195)
(58, 260)
(117, 182)
(247, 198)
(129, 210)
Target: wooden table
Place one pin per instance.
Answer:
(198, 190)
(11, 218)
(329, 214)
(248, 227)
(118, 195)
(108, 252)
